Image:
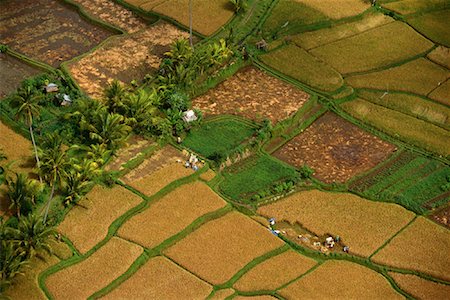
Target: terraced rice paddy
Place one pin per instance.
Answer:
(17, 149)
(420, 288)
(434, 25)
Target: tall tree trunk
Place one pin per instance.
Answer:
(49, 201)
(190, 24)
(35, 148)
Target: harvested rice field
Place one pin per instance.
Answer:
(338, 9)
(422, 246)
(335, 149)
(87, 223)
(13, 72)
(343, 280)
(160, 278)
(361, 224)
(81, 280)
(252, 94)
(133, 149)
(376, 48)
(220, 248)
(171, 214)
(275, 272)
(420, 288)
(47, 31)
(125, 58)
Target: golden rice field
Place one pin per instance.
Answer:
(222, 294)
(274, 272)
(97, 271)
(160, 278)
(441, 56)
(420, 288)
(18, 150)
(441, 94)
(171, 214)
(261, 297)
(341, 280)
(422, 246)
(434, 25)
(374, 48)
(220, 248)
(405, 7)
(338, 9)
(208, 175)
(363, 225)
(87, 224)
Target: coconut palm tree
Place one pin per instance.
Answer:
(109, 129)
(114, 93)
(22, 192)
(29, 108)
(11, 261)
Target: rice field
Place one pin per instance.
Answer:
(18, 150)
(161, 279)
(420, 288)
(134, 147)
(406, 7)
(343, 280)
(171, 214)
(441, 93)
(274, 272)
(220, 248)
(208, 175)
(338, 9)
(376, 48)
(222, 294)
(362, 225)
(434, 25)
(441, 56)
(422, 246)
(81, 280)
(87, 224)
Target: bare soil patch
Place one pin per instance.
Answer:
(362, 225)
(274, 272)
(338, 9)
(46, 30)
(135, 145)
(335, 148)
(171, 214)
(220, 248)
(343, 280)
(442, 216)
(160, 278)
(422, 246)
(81, 280)
(253, 94)
(421, 288)
(124, 58)
(87, 224)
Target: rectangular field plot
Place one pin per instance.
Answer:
(373, 49)
(420, 288)
(441, 94)
(441, 56)
(87, 224)
(220, 248)
(343, 280)
(171, 214)
(335, 148)
(47, 31)
(252, 94)
(338, 9)
(422, 246)
(363, 225)
(81, 280)
(13, 72)
(256, 173)
(274, 272)
(124, 58)
(434, 25)
(160, 278)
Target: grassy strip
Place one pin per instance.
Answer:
(30, 61)
(301, 276)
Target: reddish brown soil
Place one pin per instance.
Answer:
(336, 149)
(442, 216)
(135, 145)
(253, 94)
(47, 30)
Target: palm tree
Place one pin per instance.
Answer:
(114, 94)
(179, 51)
(22, 192)
(109, 129)
(11, 261)
(29, 108)
(190, 24)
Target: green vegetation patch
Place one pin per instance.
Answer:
(434, 25)
(407, 128)
(300, 65)
(419, 76)
(218, 137)
(373, 49)
(406, 7)
(243, 180)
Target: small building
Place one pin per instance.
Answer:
(51, 88)
(66, 100)
(189, 116)
(272, 221)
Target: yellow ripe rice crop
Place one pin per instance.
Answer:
(421, 288)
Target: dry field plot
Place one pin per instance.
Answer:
(422, 246)
(46, 30)
(253, 94)
(124, 58)
(87, 224)
(113, 13)
(220, 248)
(372, 49)
(441, 56)
(313, 39)
(419, 76)
(171, 214)
(274, 272)
(161, 279)
(363, 225)
(81, 280)
(341, 280)
(135, 145)
(421, 288)
(338, 9)
(336, 149)
(13, 72)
